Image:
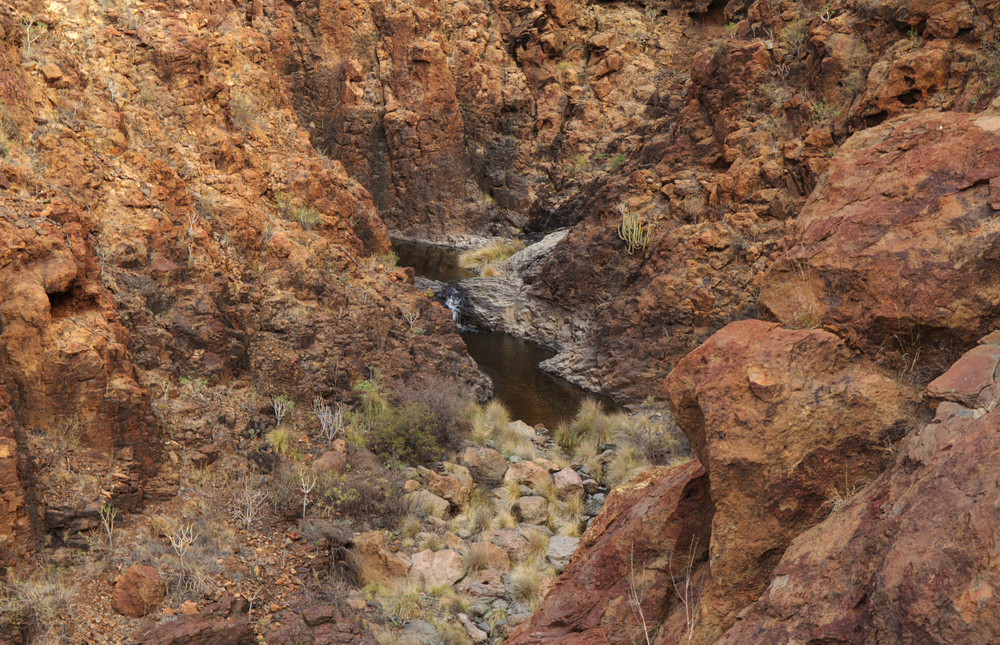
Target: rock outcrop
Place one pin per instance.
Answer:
(898, 243)
(908, 559)
(646, 530)
(787, 422)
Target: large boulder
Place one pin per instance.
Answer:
(486, 465)
(898, 243)
(786, 422)
(138, 591)
(374, 561)
(436, 568)
(655, 517)
(911, 559)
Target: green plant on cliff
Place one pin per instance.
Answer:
(795, 35)
(37, 604)
(306, 216)
(635, 234)
(824, 112)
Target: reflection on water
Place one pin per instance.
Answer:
(530, 394)
(434, 262)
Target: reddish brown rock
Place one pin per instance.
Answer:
(138, 591)
(317, 625)
(220, 623)
(486, 465)
(435, 568)
(652, 518)
(909, 559)
(448, 488)
(785, 421)
(898, 237)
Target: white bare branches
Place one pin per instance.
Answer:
(307, 481)
(686, 591)
(331, 420)
(249, 499)
(636, 593)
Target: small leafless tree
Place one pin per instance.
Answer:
(307, 482)
(687, 591)
(249, 499)
(281, 405)
(636, 593)
(182, 539)
(331, 420)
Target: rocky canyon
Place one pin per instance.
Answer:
(228, 416)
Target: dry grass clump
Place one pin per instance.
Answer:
(505, 520)
(401, 600)
(40, 606)
(526, 584)
(538, 542)
(508, 495)
(590, 422)
(430, 541)
(492, 422)
(640, 440)
(489, 256)
(476, 557)
(410, 526)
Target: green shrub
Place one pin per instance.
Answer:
(406, 434)
(451, 404)
(635, 235)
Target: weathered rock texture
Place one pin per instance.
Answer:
(900, 240)
(166, 224)
(219, 623)
(910, 558)
(647, 526)
(786, 422)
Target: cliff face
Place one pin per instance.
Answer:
(468, 118)
(165, 220)
(198, 194)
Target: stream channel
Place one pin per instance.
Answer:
(531, 395)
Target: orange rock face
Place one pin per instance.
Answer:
(652, 519)
(899, 237)
(786, 422)
(908, 560)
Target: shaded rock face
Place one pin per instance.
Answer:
(786, 422)
(652, 519)
(65, 347)
(219, 623)
(319, 624)
(900, 238)
(18, 513)
(907, 560)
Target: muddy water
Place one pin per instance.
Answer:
(532, 395)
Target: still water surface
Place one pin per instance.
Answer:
(531, 395)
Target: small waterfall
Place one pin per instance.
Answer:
(454, 299)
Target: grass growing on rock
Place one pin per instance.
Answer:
(639, 440)
(488, 257)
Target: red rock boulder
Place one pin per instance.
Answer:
(911, 559)
(900, 237)
(647, 522)
(138, 591)
(786, 422)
